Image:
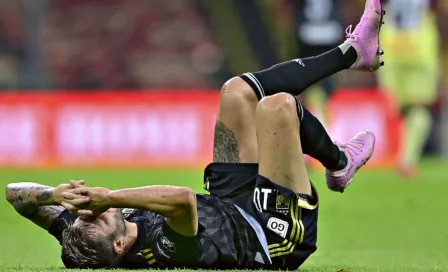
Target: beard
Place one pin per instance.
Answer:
(120, 223)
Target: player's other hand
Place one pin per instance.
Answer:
(60, 189)
(86, 201)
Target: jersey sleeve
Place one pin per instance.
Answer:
(60, 224)
(177, 250)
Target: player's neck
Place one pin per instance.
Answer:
(131, 235)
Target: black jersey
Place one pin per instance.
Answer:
(225, 239)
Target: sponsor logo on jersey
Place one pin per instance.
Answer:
(161, 251)
(126, 212)
(278, 226)
(168, 244)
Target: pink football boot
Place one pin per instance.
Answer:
(365, 37)
(358, 151)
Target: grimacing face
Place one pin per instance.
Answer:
(97, 242)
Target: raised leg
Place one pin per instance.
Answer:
(280, 150)
(235, 139)
(235, 134)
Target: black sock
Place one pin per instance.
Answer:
(296, 75)
(317, 143)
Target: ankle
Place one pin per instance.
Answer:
(349, 54)
(342, 163)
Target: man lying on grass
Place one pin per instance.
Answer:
(262, 208)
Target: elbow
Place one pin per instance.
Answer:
(9, 193)
(187, 197)
(184, 218)
(185, 203)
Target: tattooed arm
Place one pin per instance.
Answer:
(38, 203)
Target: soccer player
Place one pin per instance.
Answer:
(262, 208)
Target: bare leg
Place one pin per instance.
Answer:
(235, 136)
(235, 139)
(280, 151)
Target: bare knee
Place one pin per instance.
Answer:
(281, 106)
(236, 90)
(236, 121)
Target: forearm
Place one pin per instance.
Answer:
(168, 201)
(177, 204)
(27, 197)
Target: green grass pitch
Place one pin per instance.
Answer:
(381, 223)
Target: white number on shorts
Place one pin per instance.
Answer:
(257, 200)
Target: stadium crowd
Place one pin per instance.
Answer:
(114, 44)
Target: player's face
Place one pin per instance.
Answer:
(106, 224)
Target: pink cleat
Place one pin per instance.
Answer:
(365, 37)
(358, 151)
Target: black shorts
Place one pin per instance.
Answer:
(289, 220)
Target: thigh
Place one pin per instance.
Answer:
(281, 158)
(235, 139)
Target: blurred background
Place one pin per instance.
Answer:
(112, 82)
(125, 92)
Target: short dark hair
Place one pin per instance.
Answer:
(83, 249)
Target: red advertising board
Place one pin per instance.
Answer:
(147, 128)
(96, 129)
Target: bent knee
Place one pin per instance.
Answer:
(281, 105)
(236, 89)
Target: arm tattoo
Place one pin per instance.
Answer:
(44, 196)
(44, 216)
(33, 201)
(225, 145)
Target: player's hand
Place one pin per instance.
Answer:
(60, 189)
(86, 201)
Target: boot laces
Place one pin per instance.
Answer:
(350, 34)
(355, 146)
